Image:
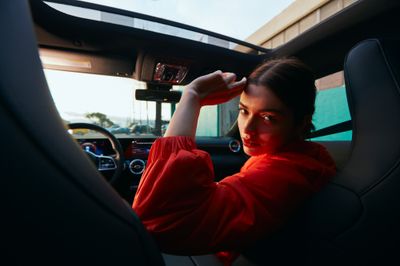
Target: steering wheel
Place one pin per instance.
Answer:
(104, 163)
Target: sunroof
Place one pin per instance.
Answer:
(235, 19)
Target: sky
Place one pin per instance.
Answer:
(234, 18)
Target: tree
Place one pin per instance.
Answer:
(100, 119)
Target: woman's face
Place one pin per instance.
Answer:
(265, 123)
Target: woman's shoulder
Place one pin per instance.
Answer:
(306, 162)
(299, 154)
(305, 149)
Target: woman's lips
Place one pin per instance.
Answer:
(250, 143)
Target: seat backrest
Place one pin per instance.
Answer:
(56, 207)
(363, 225)
(355, 219)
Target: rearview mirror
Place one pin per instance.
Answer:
(158, 95)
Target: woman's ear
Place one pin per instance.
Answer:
(305, 126)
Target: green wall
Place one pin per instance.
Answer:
(331, 108)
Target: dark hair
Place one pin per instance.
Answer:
(292, 82)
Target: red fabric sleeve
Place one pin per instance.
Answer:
(188, 213)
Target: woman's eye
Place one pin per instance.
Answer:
(242, 111)
(268, 118)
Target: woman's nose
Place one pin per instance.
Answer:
(249, 126)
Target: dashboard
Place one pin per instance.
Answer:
(225, 152)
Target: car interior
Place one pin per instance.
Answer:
(61, 209)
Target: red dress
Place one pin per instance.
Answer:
(188, 213)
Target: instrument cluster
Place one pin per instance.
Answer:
(135, 152)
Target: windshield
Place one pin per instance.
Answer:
(109, 101)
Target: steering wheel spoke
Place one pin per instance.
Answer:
(106, 163)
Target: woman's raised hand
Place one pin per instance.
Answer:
(215, 88)
(210, 89)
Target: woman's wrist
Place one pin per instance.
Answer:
(191, 97)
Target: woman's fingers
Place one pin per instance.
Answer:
(224, 94)
(241, 83)
(229, 77)
(236, 90)
(216, 87)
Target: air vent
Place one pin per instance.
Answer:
(137, 166)
(234, 145)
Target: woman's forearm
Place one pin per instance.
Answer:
(184, 120)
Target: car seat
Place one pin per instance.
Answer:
(57, 209)
(355, 219)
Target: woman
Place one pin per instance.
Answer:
(177, 199)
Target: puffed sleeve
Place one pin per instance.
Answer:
(188, 213)
(177, 177)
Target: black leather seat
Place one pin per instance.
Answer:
(56, 208)
(355, 220)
